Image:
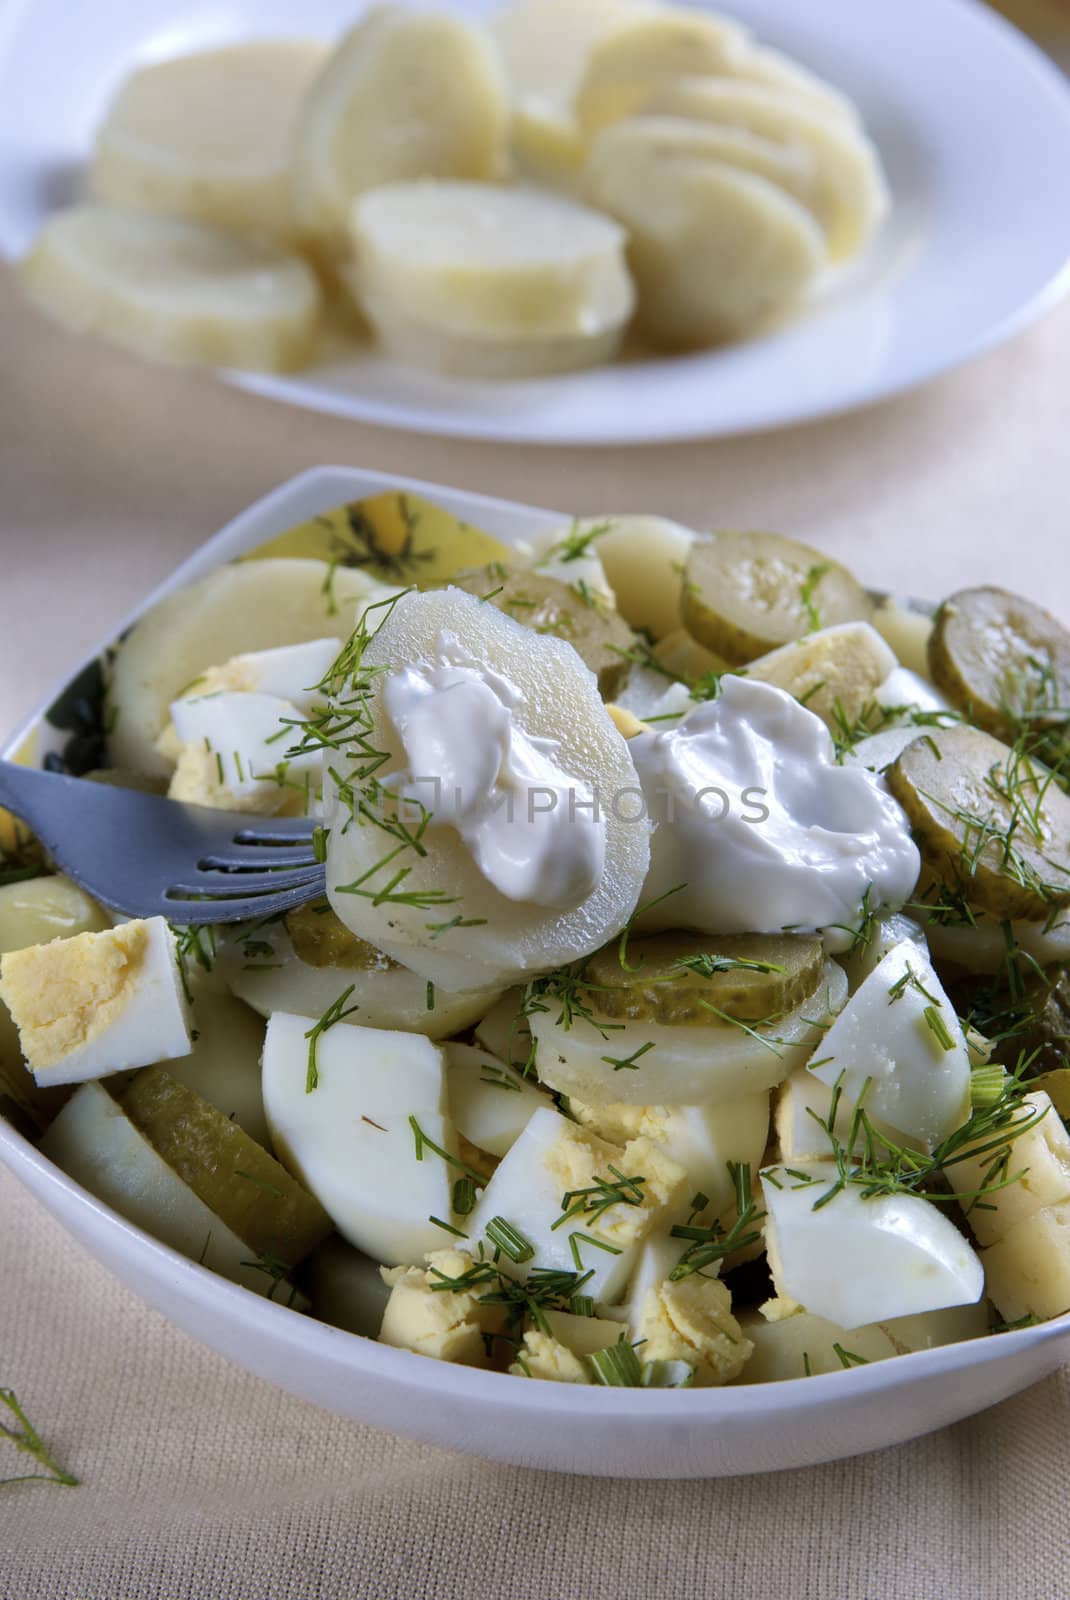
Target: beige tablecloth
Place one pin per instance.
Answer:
(200, 1483)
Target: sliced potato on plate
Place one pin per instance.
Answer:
(405, 95)
(489, 281)
(208, 135)
(174, 290)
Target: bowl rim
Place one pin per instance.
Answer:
(303, 1336)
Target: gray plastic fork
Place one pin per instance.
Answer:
(150, 857)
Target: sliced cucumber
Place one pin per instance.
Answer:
(600, 637)
(746, 593)
(686, 979)
(1001, 660)
(988, 821)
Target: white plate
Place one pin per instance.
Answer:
(627, 1433)
(972, 121)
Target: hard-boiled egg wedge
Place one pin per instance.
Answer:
(306, 963)
(858, 1260)
(713, 249)
(651, 48)
(97, 1003)
(480, 842)
(645, 1063)
(250, 606)
(691, 1321)
(897, 1048)
(208, 135)
(406, 95)
(479, 279)
(447, 1323)
(702, 1139)
(241, 752)
(174, 290)
(94, 1142)
(850, 196)
(341, 1108)
(1034, 1148)
(490, 1103)
(557, 1204)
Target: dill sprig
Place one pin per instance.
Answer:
(807, 592)
(710, 1244)
(593, 1201)
(337, 1011)
(24, 1437)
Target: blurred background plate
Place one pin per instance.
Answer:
(973, 123)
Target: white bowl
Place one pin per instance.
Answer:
(629, 1433)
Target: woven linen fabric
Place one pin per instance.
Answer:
(202, 1483)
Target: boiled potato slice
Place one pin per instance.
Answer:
(713, 249)
(208, 135)
(834, 672)
(489, 281)
(555, 698)
(602, 1061)
(746, 593)
(643, 558)
(545, 44)
(406, 95)
(248, 1189)
(658, 46)
(546, 145)
(250, 605)
(850, 195)
(998, 658)
(41, 909)
(682, 656)
(277, 969)
(994, 825)
(907, 627)
(173, 290)
(778, 71)
(346, 1287)
(549, 606)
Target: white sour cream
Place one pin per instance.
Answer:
(760, 826)
(532, 830)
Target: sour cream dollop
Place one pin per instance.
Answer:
(533, 831)
(761, 827)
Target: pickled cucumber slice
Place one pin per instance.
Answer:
(987, 820)
(746, 593)
(244, 1186)
(94, 1142)
(686, 978)
(320, 940)
(834, 673)
(600, 637)
(174, 290)
(1001, 659)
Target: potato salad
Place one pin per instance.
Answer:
(506, 200)
(685, 1003)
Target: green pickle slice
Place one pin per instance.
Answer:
(1001, 660)
(235, 1177)
(320, 939)
(685, 979)
(988, 821)
(746, 593)
(600, 637)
